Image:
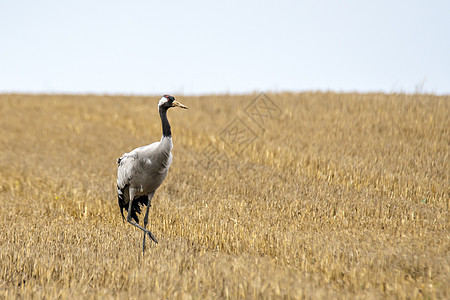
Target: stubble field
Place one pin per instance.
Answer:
(311, 195)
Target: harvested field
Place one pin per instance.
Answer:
(307, 195)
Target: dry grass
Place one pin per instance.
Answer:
(342, 195)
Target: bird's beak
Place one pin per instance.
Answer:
(178, 104)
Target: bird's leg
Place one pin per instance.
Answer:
(149, 203)
(130, 220)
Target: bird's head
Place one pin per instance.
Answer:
(168, 101)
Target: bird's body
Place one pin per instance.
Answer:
(137, 167)
(143, 170)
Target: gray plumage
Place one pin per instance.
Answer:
(142, 171)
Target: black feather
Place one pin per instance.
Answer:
(122, 203)
(136, 206)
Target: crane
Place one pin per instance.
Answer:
(141, 171)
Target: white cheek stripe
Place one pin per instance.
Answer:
(162, 101)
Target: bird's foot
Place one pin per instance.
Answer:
(143, 240)
(151, 236)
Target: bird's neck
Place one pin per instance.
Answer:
(165, 122)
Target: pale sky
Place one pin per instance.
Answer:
(201, 47)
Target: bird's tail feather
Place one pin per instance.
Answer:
(122, 203)
(135, 208)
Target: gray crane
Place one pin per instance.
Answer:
(142, 171)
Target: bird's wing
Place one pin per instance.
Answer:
(126, 169)
(147, 152)
(133, 163)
